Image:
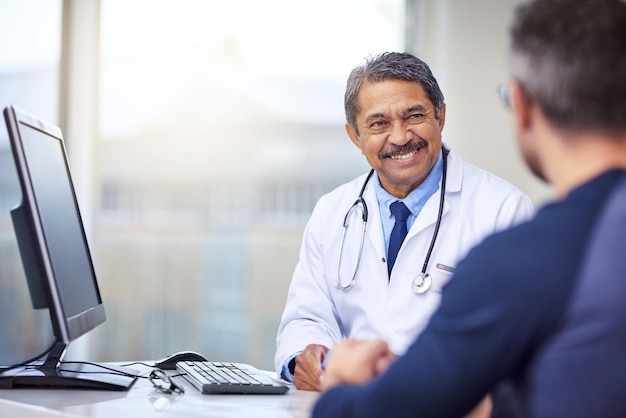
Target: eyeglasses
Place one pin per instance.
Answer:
(164, 383)
(505, 95)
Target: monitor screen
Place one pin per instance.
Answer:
(53, 245)
(49, 200)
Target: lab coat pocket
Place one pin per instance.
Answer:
(441, 275)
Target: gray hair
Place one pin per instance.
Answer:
(570, 58)
(390, 66)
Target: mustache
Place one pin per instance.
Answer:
(403, 149)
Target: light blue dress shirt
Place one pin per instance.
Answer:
(415, 201)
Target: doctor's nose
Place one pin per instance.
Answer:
(399, 134)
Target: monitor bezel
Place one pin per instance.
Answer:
(66, 328)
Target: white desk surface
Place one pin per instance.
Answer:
(142, 400)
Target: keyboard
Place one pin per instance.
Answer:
(236, 378)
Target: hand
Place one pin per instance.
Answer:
(483, 409)
(356, 362)
(309, 367)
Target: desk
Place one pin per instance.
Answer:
(142, 400)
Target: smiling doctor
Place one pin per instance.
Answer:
(378, 250)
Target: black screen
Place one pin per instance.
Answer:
(60, 220)
(56, 259)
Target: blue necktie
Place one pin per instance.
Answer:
(400, 212)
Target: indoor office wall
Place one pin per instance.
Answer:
(465, 43)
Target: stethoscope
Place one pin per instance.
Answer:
(421, 282)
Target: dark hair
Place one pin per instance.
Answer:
(390, 66)
(570, 57)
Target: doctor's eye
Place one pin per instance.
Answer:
(378, 126)
(415, 118)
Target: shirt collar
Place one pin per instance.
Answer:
(416, 200)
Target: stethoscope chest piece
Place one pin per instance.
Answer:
(421, 283)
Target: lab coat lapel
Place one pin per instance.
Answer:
(374, 227)
(428, 214)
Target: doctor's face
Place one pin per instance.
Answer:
(398, 133)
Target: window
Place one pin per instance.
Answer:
(220, 124)
(29, 72)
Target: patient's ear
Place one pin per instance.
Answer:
(521, 105)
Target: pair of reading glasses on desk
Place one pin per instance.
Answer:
(163, 383)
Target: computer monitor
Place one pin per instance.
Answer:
(56, 258)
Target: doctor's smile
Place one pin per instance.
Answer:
(403, 152)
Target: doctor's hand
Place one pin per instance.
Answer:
(309, 367)
(357, 362)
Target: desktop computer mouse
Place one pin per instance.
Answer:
(169, 362)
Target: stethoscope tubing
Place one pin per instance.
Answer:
(360, 201)
(364, 216)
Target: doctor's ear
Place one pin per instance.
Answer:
(354, 136)
(442, 117)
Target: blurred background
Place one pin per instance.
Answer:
(200, 135)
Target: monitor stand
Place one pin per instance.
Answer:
(70, 375)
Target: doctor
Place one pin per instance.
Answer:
(349, 281)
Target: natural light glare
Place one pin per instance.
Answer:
(258, 50)
(219, 125)
(275, 38)
(22, 45)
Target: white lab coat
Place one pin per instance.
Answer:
(477, 204)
